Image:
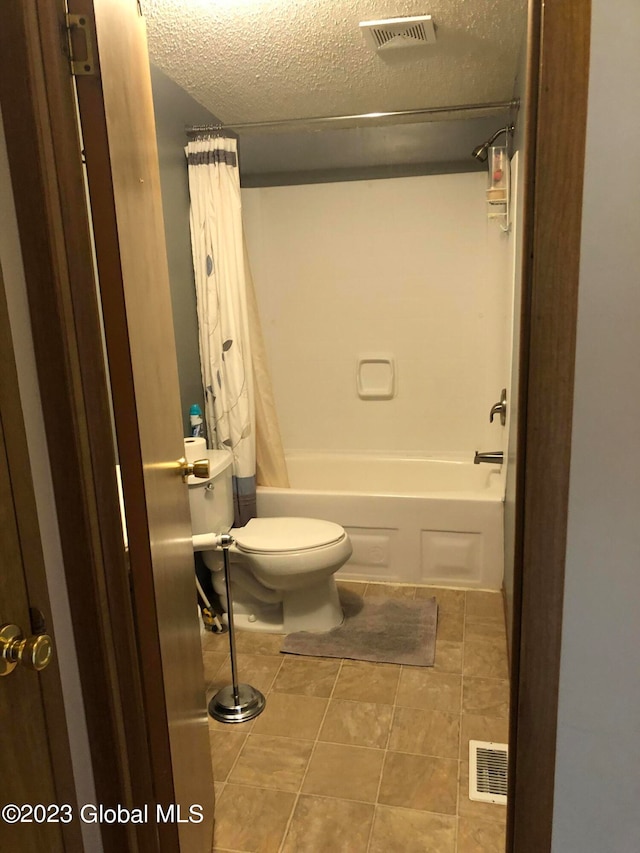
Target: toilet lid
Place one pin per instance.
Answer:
(286, 534)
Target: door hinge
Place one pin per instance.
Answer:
(80, 40)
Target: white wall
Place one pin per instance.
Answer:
(408, 266)
(598, 748)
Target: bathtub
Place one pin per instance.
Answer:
(418, 520)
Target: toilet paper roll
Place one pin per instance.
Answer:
(195, 448)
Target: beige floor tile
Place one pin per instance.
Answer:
(450, 611)
(476, 727)
(258, 642)
(322, 825)
(485, 696)
(486, 658)
(480, 836)
(257, 670)
(266, 761)
(450, 626)
(423, 687)
(484, 628)
(411, 831)
(346, 772)
(225, 747)
(287, 715)
(272, 762)
(419, 782)
(306, 676)
(486, 604)
(212, 663)
(357, 723)
(357, 587)
(449, 600)
(389, 590)
(212, 642)
(361, 681)
(448, 656)
(425, 732)
(252, 819)
(474, 809)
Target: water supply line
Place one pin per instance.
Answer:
(217, 624)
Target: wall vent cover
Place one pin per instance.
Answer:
(488, 771)
(399, 32)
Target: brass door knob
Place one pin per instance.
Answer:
(34, 652)
(199, 468)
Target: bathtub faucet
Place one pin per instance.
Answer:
(493, 457)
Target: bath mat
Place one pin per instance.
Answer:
(384, 630)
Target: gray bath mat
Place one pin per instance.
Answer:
(385, 630)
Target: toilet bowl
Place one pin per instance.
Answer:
(282, 569)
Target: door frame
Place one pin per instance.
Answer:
(556, 104)
(38, 110)
(44, 150)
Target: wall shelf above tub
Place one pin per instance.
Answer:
(499, 189)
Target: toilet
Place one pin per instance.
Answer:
(282, 569)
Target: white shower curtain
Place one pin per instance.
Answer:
(239, 407)
(223, 324)
(271, 468)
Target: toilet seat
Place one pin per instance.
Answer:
(286, 535)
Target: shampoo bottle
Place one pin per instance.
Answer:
(195, 419)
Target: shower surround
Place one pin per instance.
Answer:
(408, 268)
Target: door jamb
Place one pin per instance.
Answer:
(38, 104)
(558, 71)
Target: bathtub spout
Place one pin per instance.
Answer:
(493, 457)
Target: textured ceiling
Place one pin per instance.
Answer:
(258, 60)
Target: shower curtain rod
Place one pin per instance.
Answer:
(293, 122)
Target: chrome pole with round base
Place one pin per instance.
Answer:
(235, 703)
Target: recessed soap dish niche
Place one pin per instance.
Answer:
(376, 376)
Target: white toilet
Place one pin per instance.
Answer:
(281, 568)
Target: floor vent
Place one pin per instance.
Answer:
(488, 771)
(399, 32)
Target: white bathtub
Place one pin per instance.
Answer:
(411, 520)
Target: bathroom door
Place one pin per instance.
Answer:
(117, 120)
(29, 774)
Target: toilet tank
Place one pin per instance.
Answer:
(211, 501)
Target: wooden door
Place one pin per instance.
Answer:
(117, 120)
(31, 740)
(134, 620)
(23, 731)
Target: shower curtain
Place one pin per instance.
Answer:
(223, 313)
(271, 468)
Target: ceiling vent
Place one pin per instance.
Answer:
(399, 32)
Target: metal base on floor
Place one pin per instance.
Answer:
(227, 706)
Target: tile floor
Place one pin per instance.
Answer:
(362, 757)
